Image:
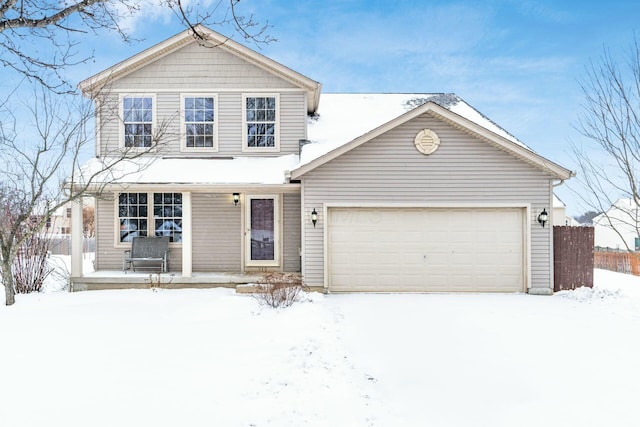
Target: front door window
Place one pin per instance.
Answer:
(262, 245)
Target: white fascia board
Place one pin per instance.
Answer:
(197, 188)
(518, 150)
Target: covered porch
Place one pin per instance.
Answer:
(223, 234)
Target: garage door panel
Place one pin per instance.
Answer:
(415, 249)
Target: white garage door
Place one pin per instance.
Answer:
(420, 249)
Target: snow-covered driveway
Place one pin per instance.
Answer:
(214, 358)
(500, 360)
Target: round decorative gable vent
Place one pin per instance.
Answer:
(427, 141)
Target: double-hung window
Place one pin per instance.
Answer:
(199, 122)
(137, 117)
(260, 121)
(167, 215)
(132, 213)
(136, 211)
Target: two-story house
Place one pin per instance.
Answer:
(248, 169)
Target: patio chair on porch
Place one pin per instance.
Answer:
(148, 253)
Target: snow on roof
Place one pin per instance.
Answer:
(557, 203)
(159, 170)
(342, 117)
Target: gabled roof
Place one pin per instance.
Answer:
(622, 208)
(557, 203)
(97, 81)
(370, 115)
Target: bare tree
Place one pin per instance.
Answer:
(40, 40)
(57, 28)
(44, 169)
(609, 158)
(89, 221)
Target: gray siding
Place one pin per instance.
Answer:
(195, 69)
(464, 169)
(229, 116)
(291, 233)
(105, 223)
(108, 255)
(217, 233)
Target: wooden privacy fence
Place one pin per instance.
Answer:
(622, 262)
(572, 257)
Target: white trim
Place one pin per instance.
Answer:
(154, 118)
(526, 230)
(277, 231)
(552, 284)
(527, 234)
(276, 147)
(198, 188)
(187, 241)
(325, 243)
(97, 129)
(150, 218)
(183, 128)
(436, 205)
(243, 233)
(217, 90)
(76, 237)
(303, 232)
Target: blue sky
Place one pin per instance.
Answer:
(518, 62)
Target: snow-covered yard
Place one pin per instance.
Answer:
(214, 358)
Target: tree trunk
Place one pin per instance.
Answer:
(7, 280)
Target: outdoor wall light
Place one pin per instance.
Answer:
(236, 198)
(314, 217)
(543, 217)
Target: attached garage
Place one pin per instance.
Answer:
(426, 249)
(437, 199)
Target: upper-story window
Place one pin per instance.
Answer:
(199, 122)
(261, 127)
(137, 116)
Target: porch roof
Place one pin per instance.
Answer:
(148, 170)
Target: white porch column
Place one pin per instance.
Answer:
(76, 238)
(187, 241)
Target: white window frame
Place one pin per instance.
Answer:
(183, 125)
(245, 147)
(150, 216)
(154, 116)
(277, 231)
